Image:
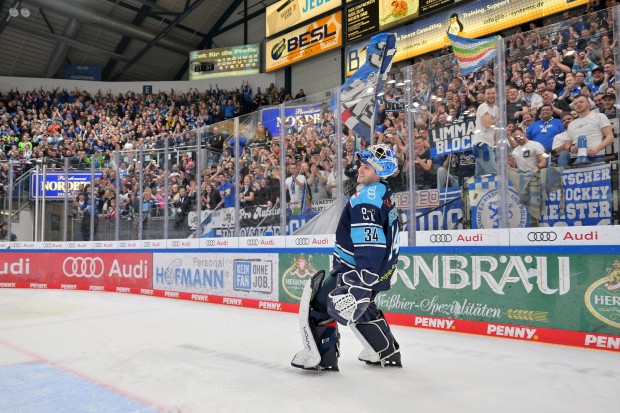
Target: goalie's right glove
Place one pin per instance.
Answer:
(351, 298)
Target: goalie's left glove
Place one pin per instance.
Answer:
(351, 298)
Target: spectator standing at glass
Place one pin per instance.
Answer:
(483, 139)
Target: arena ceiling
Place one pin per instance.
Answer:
(131, 40)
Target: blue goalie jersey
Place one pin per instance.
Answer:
(367, 234)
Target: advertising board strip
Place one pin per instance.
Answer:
(553, 295)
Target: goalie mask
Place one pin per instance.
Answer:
(380, 158)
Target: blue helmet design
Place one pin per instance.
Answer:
(381, 158)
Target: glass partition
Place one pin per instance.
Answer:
(235, 177)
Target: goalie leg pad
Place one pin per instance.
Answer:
(380, 347)
(319, 332)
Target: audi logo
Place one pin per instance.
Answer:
(252, 242)
(441, 238)
(210, 242)
(86, 267)
(302, 241)
(545, 236)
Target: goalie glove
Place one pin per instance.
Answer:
(351, 298)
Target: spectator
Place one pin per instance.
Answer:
(594, 126)
(528, 155)
(247, 193)
(211, 198)
(544, 130)
(4, 233)
(483, 140)
(562, 143)
(295, 184)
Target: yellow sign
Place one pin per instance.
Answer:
(310, 40)
(472, 20)
(284, 14)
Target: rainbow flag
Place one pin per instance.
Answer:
(472, 54)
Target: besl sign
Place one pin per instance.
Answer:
(310, 40)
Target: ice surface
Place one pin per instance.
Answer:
(156, 354)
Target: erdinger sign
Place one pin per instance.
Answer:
(130, 270)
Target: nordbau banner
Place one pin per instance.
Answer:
(541, 291)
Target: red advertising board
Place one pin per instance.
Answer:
(78, 268)
(22, 267)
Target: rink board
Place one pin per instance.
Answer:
(566, 295)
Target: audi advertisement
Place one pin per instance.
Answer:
(102, 269)
(121, 270)
(478, 237)
(550, 236)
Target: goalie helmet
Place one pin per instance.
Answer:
(380, 158)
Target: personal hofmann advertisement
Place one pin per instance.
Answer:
(232, 275)
(562, 292)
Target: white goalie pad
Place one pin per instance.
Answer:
(309, 357)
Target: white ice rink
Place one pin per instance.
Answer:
(74, 351)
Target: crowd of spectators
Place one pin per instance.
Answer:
(548, 68)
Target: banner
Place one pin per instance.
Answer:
(284, 14)
(484, 201)
(587, 198)
(431, 218)
(472, 20)
(526, 291)
(83, 72)
(55, 185)
(295, 115)
(225, 61)
(310, 40)
(77, 268)
(247, 276)
(452, 138)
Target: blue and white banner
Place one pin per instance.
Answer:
(295, 115)
(82, 72)
(358, 93)
(55, 185)
(485, 205)
(587, 198)
(446, 217)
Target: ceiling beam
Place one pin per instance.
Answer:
(124, 42)
(207, 40)
(73, 43)
(188, 9)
